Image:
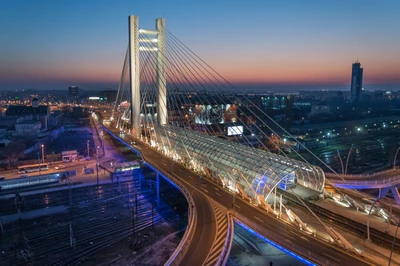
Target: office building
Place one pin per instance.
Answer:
(356, 82)
(108, 95)
(73, 91)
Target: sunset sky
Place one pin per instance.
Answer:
(57, 43)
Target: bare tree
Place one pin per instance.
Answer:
(13, 151)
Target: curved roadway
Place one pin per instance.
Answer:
(205, 230)
(206, 226)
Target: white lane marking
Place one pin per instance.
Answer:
(180, 170)
(258, 219)
(289, 236)
(299, 235)
(205, 190)
(237, 206)
(305, 238)
(216, 188)
(218, 194)
(331, 257)
(191, 177)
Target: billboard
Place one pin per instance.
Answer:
(235, 130)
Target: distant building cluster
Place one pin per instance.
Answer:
(28, 118)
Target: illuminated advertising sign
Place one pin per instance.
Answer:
(235, 130)
(94, 98)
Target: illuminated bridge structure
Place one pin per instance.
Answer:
(170, 101)
(236, 165)
(184, 122)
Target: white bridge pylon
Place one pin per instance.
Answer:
(133, 50)
(188, 138)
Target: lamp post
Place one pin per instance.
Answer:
(88, 149)
(341, 162)
(395, 158)
(42, 153)
(369, 215)
(97, 165)
(348, 156)
(38, 156)
(394, 240)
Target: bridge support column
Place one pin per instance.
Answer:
(396, 194)
(383, 192)
(134, 74)
(158, 189)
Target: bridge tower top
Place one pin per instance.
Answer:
(137, 36)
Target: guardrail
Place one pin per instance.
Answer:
(226, 249)
(386, 181)
(181, 250)
(392, 170)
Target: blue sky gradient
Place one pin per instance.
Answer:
(289, 43)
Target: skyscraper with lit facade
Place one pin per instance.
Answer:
(356, 82)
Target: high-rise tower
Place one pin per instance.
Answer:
(356, 82)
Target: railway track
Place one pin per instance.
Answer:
(100, 219)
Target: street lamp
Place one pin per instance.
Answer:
(38, 156)
(97, 165)
(395, 157)
(348, 156)
(88, 149)
(42, 153)
(369, 215)
(394, 240)
(341, 162)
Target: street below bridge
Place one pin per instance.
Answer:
(203, 188)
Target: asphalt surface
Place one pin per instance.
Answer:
(205, 230)
(206, 227)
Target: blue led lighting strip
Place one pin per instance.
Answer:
(274, 244)
(155, 170)
(126, 144)
(121, 140)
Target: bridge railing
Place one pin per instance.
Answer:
(386, 181)
(223, 258)
(303, 253)
(181, 250)
(359, 176)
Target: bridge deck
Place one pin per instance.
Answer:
(205, 234)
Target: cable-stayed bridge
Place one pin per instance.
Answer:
(189, 126)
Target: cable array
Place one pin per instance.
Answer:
(202, 108)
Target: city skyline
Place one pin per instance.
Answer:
(286, 45)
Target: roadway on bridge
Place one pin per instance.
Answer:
(205, 230)
(222, 196)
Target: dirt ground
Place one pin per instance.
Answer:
(147, 248)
